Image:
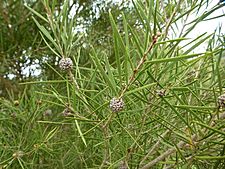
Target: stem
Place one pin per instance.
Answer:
(166, 154)
(74, 80)
(180, 145)
(141, 62)
(106, 144)
(80, 94)
(171, 18)
(154, 147)
(109, 120)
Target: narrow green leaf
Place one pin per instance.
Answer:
(218, 63)
(210, 128)
(47, 34)
(47, 81)
(172, 40)
(127, 54)
(57, 96)
(80, 132)
(140, 88)
(36, 13)
(117, 42)
(102, 72)
(110, 74)
(51, 134)
(194, 40)
(155, 18)
(209, 157)
(140, 14)
(195, 107)
(176, 112)
(49, 46)
(180, 88)
(118, 59)
(137, 42)
(201, 18)
(215, 17)
(174, 59)
(20, 162)
(197, 44)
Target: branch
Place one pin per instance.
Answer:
(181, 144)
(154, 147)
(141, 62)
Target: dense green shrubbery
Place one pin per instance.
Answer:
(171, 116)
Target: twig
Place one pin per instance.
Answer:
(167, 153)
(171, 18)
(107, 145)
(154, 147)
(79, 93)
(141, 62)
(181, 144)
(73, 80)
(187, 159)
(135, 71)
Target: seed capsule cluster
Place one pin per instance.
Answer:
(221, 101)
(65, 64)
(123, 165)
(18, 154)
(48, 112)
(116, 105)
(66, 112)
(161, 93)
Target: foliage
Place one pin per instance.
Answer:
(171, 119)
(23, 52)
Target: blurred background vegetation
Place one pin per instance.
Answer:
(23, 53)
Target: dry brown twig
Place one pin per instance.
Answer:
(180, 145)
(141, 62)
(154, 147)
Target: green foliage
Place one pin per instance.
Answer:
(171, 119)
(24, 52)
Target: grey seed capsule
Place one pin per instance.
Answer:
(116, 105)
(65, 64)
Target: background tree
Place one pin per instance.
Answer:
(24, 53)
